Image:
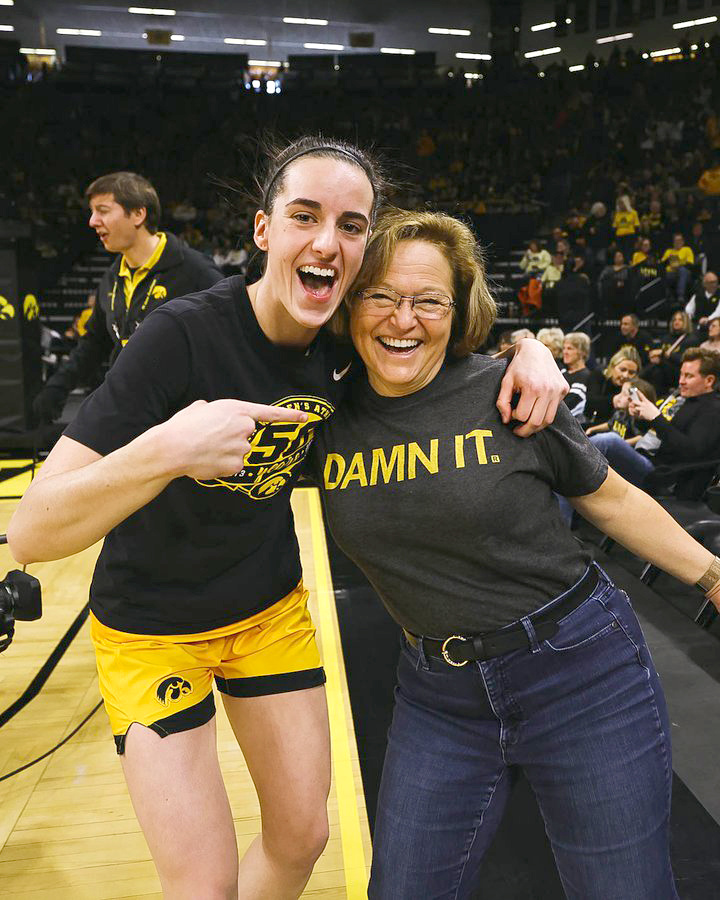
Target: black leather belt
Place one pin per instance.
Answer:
(458, 650)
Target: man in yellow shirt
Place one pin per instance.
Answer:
(151, 268)
(678, 260)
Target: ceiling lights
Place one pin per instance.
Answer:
(459, 32)
(293, 20)
(546, 52)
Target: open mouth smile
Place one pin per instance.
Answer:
(399, 346)
(318, 281)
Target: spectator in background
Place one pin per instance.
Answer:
(697, 245)
(704, 304)
(624, 365)
(572, 294)
(535, 259)
(614, 285)
(575, 352)
(621, 422)
(646, 286)
(679, 434)
(713, 338)
(652, 223)
(678, 259)
(680, 338)
(631, 335)
(553, 339)
(658, 371)
(642, 253)
(78, 327)
(598, 232)
(709, 182)
(521, 333)
(626, 225)
(553, 273)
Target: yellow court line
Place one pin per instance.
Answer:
(354, 862)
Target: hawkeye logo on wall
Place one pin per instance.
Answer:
(7, 310)
(276, 450)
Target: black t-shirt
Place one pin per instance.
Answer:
(450, 515)
(202, 555)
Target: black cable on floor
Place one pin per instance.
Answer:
(57, 746)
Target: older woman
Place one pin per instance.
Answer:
(575, 351)
(517, 650)
(602, 386)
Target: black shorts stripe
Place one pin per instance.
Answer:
(264, 685)
(186, 719)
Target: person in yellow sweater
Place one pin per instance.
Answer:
(626, 224)
(678, 260)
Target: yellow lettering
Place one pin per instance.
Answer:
(380, 461)
(333, 459)
(355, 472)
(415, 454)
(459, 451)
(480, 434)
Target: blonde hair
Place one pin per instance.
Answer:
(687, 323)
(552, 338)
(474, 311)
(580, 341)
(629, 353)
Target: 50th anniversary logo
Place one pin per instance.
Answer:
(276, 449)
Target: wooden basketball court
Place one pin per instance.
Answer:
(67, 827)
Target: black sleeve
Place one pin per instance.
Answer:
(206, 272)
(148, 383)
(573, 466)
(93, 349)
(701, 437)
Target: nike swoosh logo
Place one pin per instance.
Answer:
(338, 375)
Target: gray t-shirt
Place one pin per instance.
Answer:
(450, 515)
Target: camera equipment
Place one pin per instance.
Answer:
(20, 599)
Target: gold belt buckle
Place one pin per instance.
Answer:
(444, 651)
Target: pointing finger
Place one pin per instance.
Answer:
(262, 413)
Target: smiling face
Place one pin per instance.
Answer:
(402, 352)
(315, 239)
(625, 370)
(117, 229)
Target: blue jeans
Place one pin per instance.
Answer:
(624, 458)
(583, 714)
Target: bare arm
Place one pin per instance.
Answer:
(597, 429)
(636, 521)
(79, 495)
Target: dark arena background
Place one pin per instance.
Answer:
(580, 140)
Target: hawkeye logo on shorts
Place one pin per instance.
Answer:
(172, 689)
(276, 450)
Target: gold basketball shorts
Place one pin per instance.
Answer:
(165, 681)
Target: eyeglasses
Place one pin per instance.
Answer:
(381, 301)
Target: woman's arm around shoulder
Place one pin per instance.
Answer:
(534, 375)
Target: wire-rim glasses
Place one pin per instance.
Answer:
(428, 305)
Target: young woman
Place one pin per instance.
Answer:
(680, 336)
(199, 576)
(517, 650)
(624, 365)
